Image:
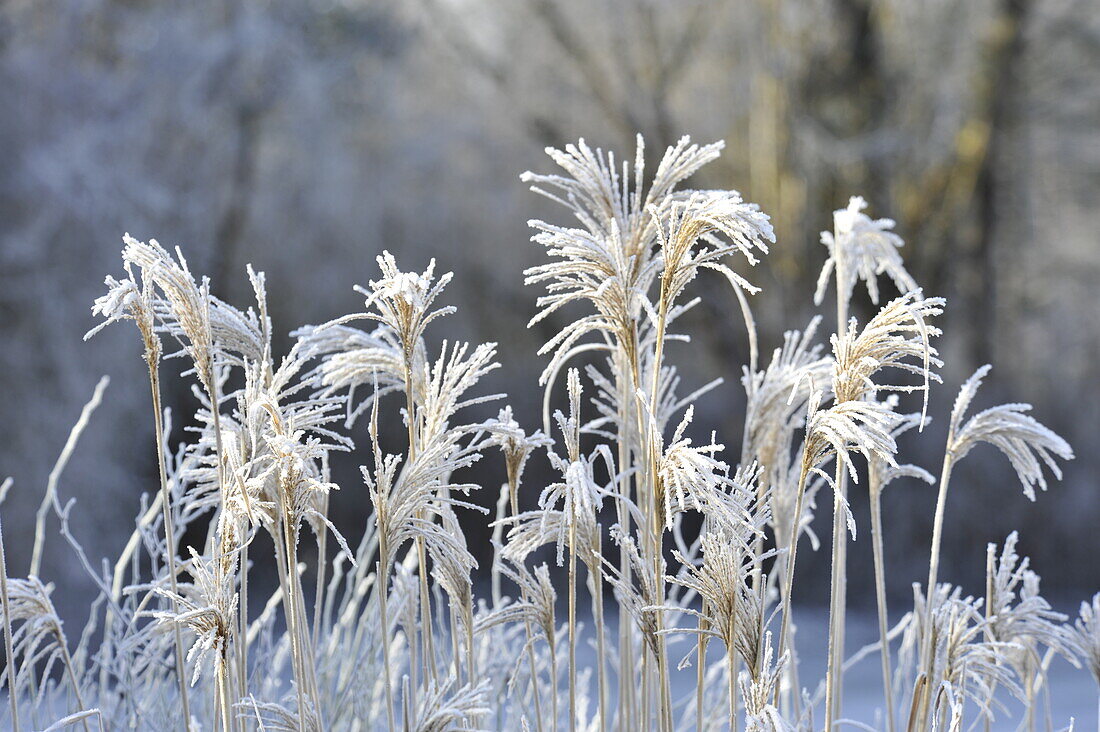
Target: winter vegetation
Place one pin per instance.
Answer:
(649, 585)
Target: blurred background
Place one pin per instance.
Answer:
(304, 136)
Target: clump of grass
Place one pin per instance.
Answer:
(396, 634)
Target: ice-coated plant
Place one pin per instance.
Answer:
(693, 545)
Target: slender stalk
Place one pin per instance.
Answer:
(838, 580)
(242, 629)
(220, 568)
(9, 649)
(50, 498)
(169, 538)
(1029, 719)
(572, 625)
(920, 691)
(989, 560)
(937, 530)
(700, 671)
(701, 650)
(428, 652)
(934, 565)
(601, 651)
(626, 645)
(471, 666)
(223, 692)
(842, 626)
(308, 663)
(427, 657)
(456, 651)
(880, 595)
(533, 670)
(836, 612)
(758, 541)
(731, 682)
(513, 483)
(554, 683)
(289, 609)
(383, 609)
(792, 550)
(322, 567)
(657, 527)
(70, 671)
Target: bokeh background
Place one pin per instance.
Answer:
(304, 136)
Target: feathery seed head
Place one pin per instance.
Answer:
(125, 300)
(706, 216)
(187, 304)
(611, 261)
(962, 656)
(758, 689)
(403, 301)
(778, 395)
(1018, 614)
(206, 606)
(898, 337)
(1086, 633)
(516, 445)
(1026, 443)
(689, 475)
(854, 426)
(866, 248)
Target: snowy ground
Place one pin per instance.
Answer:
(1073, 692)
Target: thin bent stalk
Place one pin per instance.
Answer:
(70, 671)
(50, 499)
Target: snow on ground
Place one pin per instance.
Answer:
(1073, 693)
